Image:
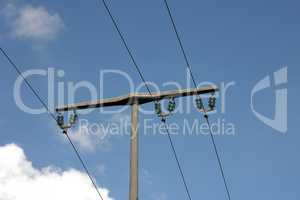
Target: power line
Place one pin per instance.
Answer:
(51, 115)
(84, 166)
(143, 79)
(177, 160)
(27, 83)
(205, 113)
(218, 158)
(126, 45)
(180, 43)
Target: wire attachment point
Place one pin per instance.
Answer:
(211, 104)
(61, 122)
(160, 113)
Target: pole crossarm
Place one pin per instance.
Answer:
(134, 100)
(139, 98)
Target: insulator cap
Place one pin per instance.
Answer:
(60, 120)
(72, 119)
(157, 107)
(199, 104)
(212, 102)
(172, 105)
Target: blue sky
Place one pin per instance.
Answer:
(226, 41)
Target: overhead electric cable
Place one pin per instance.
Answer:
(126, 45)
(195, 84)
(27, 82)
(177, 161)
(143, 79)
(12, 63)
(85, 167)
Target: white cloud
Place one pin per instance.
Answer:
(19, 180)
(91, 136)
(90, 141)
(119, 117)
(34, 23)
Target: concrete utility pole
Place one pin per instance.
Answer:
(134, 100)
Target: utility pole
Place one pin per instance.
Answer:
(134, 100)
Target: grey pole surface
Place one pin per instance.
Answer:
(134, 140)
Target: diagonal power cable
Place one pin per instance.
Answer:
(144, 81)
(195, 84)
(126, 45)
(17, 69)
(177, 160)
